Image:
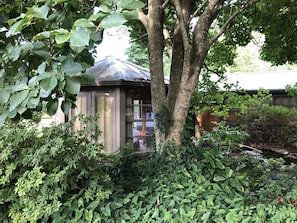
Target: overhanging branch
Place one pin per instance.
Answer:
(231, 18)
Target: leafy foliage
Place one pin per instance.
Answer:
(280, 44)
(51, 174)
(203, 184)
(46, 46)
(56, 175)
(271, 124)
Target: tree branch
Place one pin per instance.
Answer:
(142, 18)
(165, 4)
(231, 18)
(197, 10)
(139, 38)
(183, 26)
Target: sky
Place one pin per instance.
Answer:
(115, 42)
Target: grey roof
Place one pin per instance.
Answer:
(272, 80)
(111, 69)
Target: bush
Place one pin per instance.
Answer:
(194, 184)
(272, 124)
(56, 175)
(51, 174)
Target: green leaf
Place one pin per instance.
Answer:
(93, 204)
(113, 20)
(105, 8)
(87, 79)
(219, 178)
(42, 35)
(131, 4)
(205, 216)
(41, 12)
(4, 95)
(219, 164)
(106, 211)
(79, 37)
(41, 68)
(3, 117)
(60, 1)
(66, 106)
(62, 38)
(97, 36)
(21, 84)
(48, 84)
(89, 215)
(14, 53)
(16, 27)
(83, 23)
(52, 106)
(129, 15)
(72, 85)
(71, 68)
(17, 99)
(33, 102)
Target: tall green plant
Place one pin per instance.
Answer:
(51, 174)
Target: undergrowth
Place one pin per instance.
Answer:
(57, 175)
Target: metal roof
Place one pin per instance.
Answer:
(270, 80)
(112, 70)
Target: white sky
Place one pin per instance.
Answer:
(115, 42)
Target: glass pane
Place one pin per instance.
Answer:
(103, 109)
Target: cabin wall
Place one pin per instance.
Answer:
(206, 120)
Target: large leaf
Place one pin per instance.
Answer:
(62, 38)
(41, 12)
(48, 84)
(33, 102)
(113, 20)
(17, 26)
(71, 68)
(52, 106)
(131, 4)
(72, 85)
(3, 116)
(66, 106)
(79, 37)
(4, 95)
(17, 99)
(84, 23)
(14, 53)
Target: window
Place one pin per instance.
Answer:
(140, 124)
(103, 109)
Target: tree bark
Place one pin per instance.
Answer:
(155, 49)
(188, 56)
(193, 62)
(178, 54)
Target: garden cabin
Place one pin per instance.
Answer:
(121, 97)
(251, 82)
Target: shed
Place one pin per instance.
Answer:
(274, 81)
(121, 97)
(251, 82)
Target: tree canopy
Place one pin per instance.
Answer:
(46, 47)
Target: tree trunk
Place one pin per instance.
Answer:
(194, 56)
(188, 56)
(155, 49)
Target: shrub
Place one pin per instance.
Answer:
(51, 174)
(272, 124)
(194, 184)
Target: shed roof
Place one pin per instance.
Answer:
(113, 71)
